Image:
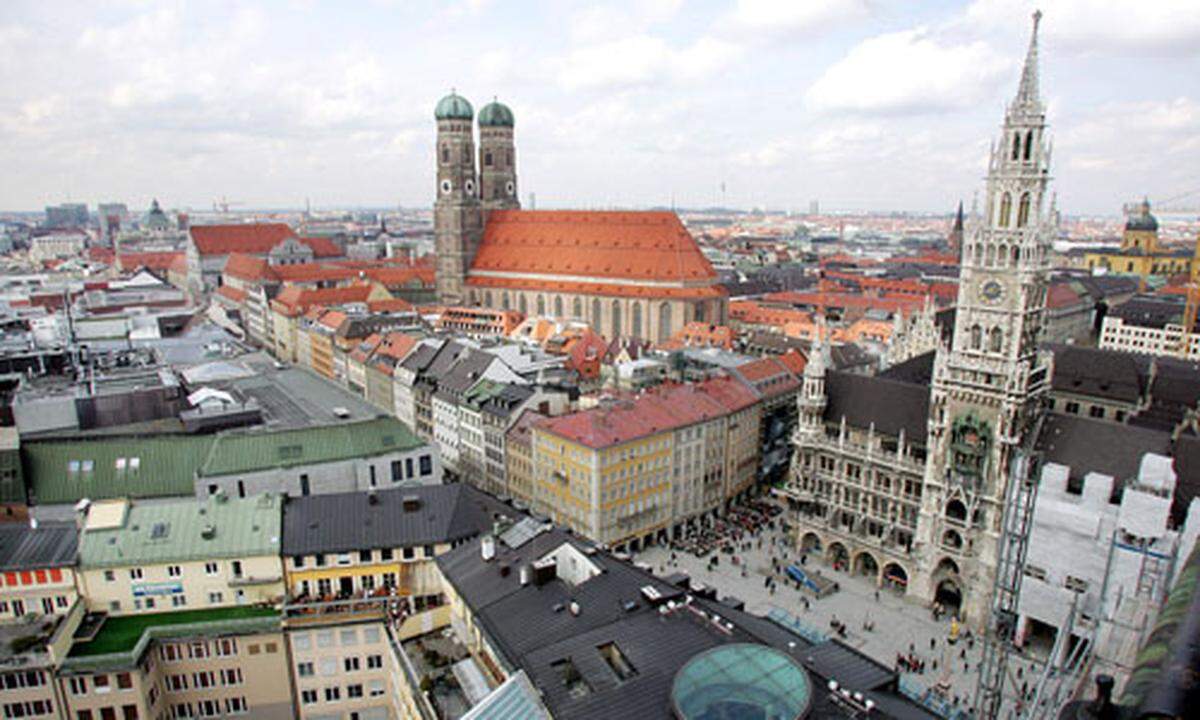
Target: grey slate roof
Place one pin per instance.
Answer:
(890, 404)
(464, 374)
(530, 627)
(49, 545)
(1087, 445)
(346, 522)
(1096, 373)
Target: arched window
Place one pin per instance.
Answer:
(1005, 209)
(976, 337)
(597, 312)
(524, 305)
(978, 254)
(445, 154)
(558, 306)
(1016, 255)
(1028, 145)
(487, 158)
(699, 310)
(616, 318)
(507, 304)
(577, 309)
(635, 321)
(487, 298)
(997, 343)
(1002, 255)
(1016, 153)
(510, 158)
(541, 305)
(664, 322)
(1023, 211)
(466, 154)
(991, 255)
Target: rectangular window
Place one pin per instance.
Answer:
(178, 600)
(354, 691)
(225, 647)
(215, 598)
(210, 568)
(375, 688)
(308, 697)
(333, 694)
(397, 471)
(109, 576)
(350, 664)
(364, 556)
(78, 686)
(135, 573)
(408, 466)
(100, 683)
(174, 571)
(235, 706)
(177, 683)
(298, 562)
(124, 681)
(349, 636)
(324, 638)
(302, 641)
(231, 676)
(387, 554)
(426, 465)
(304, 669)
(374, 662)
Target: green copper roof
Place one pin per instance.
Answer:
(496, 114)
(187, 529)
(454, 107)
(246, 452)
(68, 470)
(741, 680)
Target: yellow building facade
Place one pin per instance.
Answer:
(1141, 254)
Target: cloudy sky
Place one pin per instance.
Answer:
(862, 104)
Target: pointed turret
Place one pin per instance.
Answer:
(956, 233)
(1027, 93)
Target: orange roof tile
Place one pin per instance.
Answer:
(248, 267)
(603, 289)
(257, 238)
(148, 260)
(231, 293)
(179, 264)
(293, 299)
(793, 361)
(333, 319)
(390, 305)
(617, 245)
(322, 247)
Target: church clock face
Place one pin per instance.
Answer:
(991, 291)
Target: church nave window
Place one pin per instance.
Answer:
(1016, 148)
(1005, 209)
(1028, 145)
(997, 340)
(1023, 211)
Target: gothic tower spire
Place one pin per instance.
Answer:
(1027, 93)
(457, 215)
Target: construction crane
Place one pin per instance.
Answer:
(222, 205)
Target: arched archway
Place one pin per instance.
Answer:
(955, 510)
(946, 567)
(895, 577)
(811, 542)
(837, 556)
(949, 595)
(866, 565)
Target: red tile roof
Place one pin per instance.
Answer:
(231, 293)
(663, 408)
(607, 290)
(397, 276)
(390, 305)
(256, 239)
(396, 345)
(322, 247)
(248, 267)
(179, 265)
(100, 255)
(587, 244)
(293, 299)
(333, 319)
(148, 260)
(1061, 295)
(794, 361)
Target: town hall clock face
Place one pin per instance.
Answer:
(991, 291)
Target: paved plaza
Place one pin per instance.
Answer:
(900, 626)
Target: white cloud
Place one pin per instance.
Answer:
(911, 71)
(1086, 26)
(779, 18)
(643, 59)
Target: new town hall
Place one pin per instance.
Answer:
(905, 481)
(625, 273)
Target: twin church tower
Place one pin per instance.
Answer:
(466, 192)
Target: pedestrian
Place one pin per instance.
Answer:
(932, 643)
(876, 595)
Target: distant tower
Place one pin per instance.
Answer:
(457, 215)
(497, 158)
(956, 232)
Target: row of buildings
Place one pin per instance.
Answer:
(431, 602)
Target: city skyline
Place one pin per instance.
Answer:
(666, 103)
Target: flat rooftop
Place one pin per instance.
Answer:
(121, 634)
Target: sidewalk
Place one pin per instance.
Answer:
(900, 626)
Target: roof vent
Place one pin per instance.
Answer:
(208, 532)
(525, 574)
(487, 548)
(411, 503)
(372, 498)
(575, 609)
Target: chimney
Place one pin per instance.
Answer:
(574, 607)
(487, 548)
(208, 532)
(525, 574)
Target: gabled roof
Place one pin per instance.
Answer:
(352, 521)
(890, 405)
(294, 300)
(248, 267)
(257, 238)
(231, 293)
(322, 247)
(148, 260)
(615, 245)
